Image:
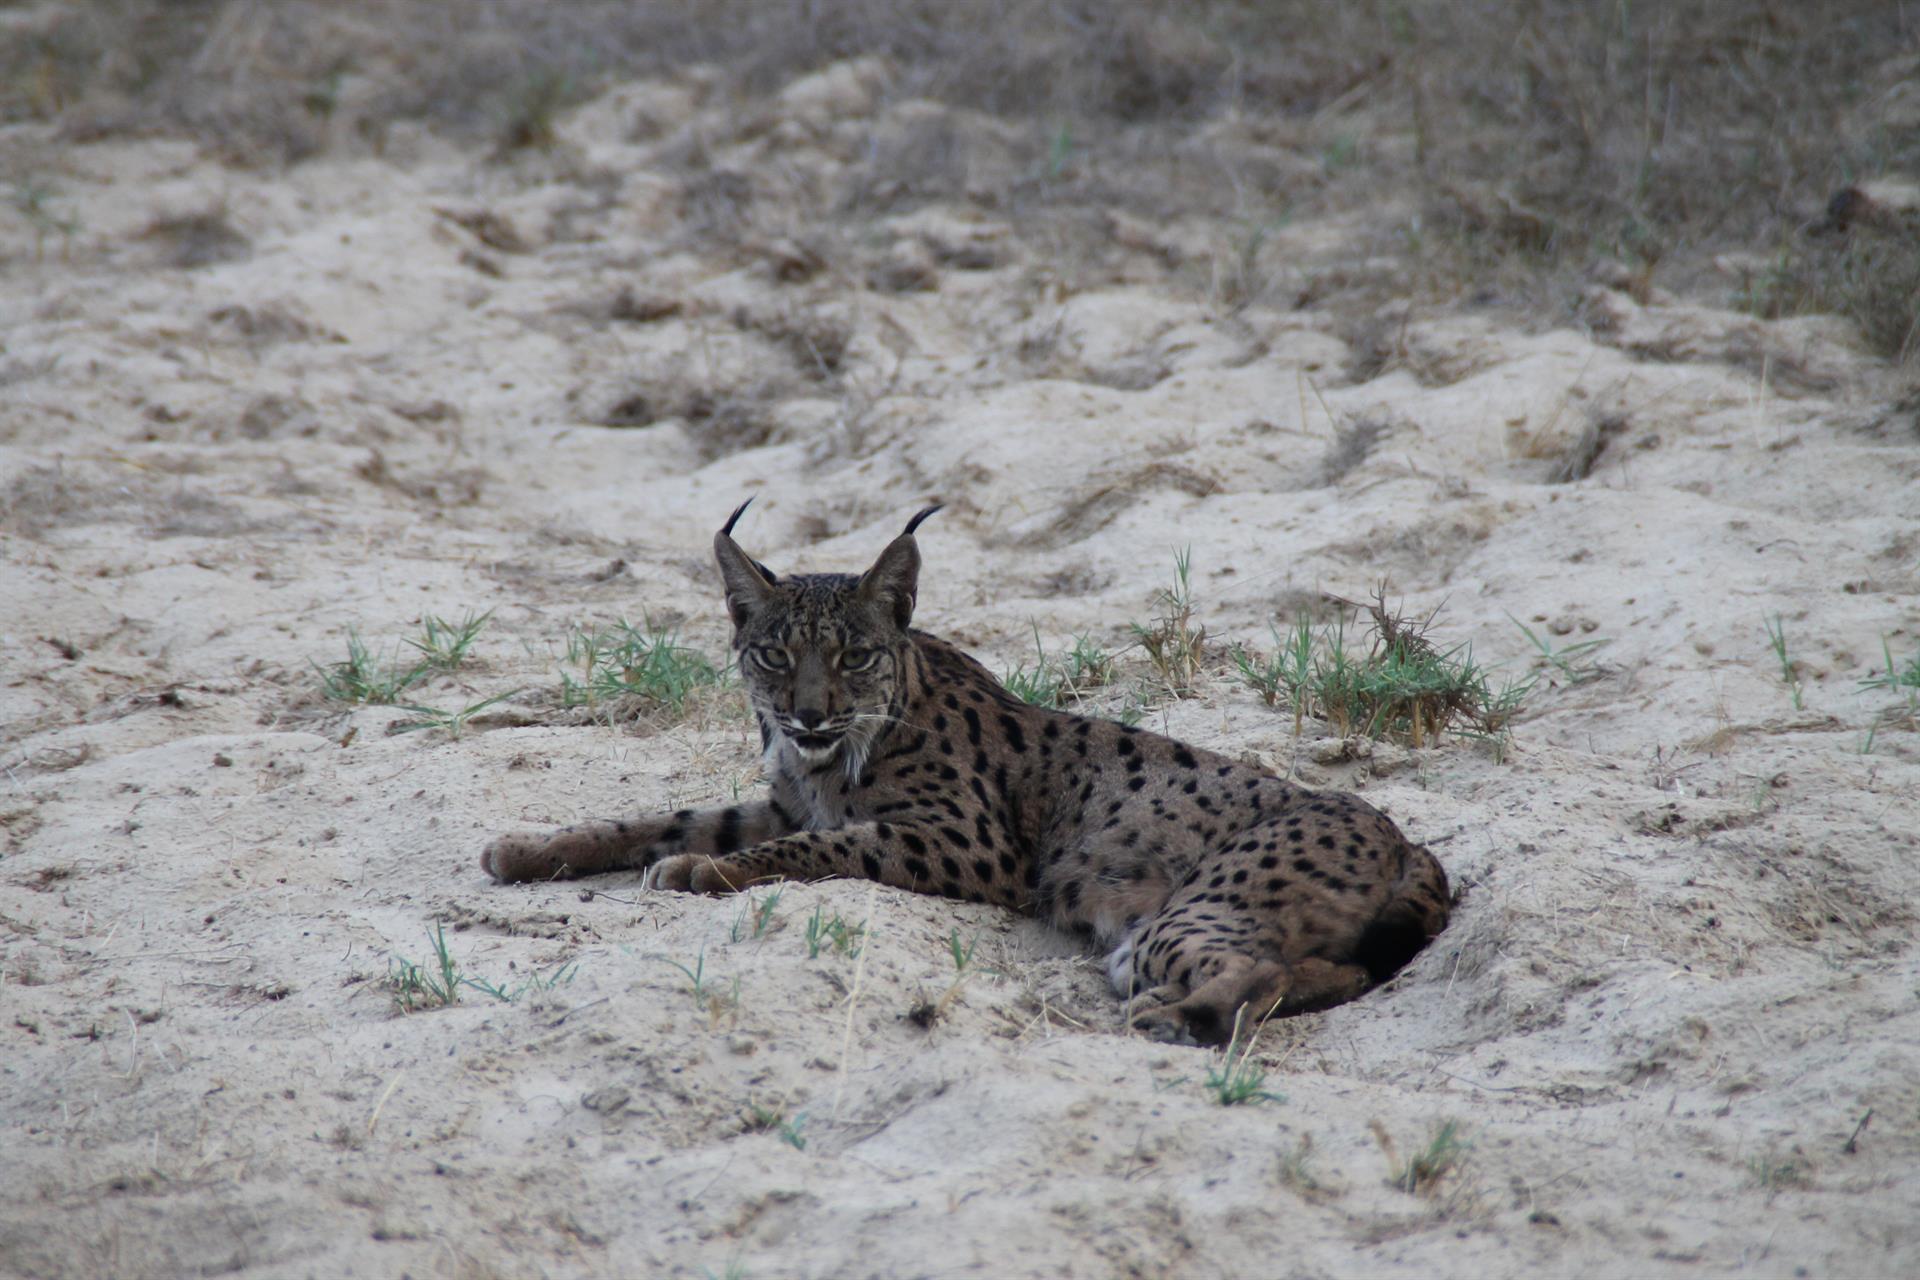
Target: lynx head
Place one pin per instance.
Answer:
(823, 655)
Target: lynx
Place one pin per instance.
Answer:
(1221, 893)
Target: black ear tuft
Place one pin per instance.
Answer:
(748, 581)
(727, 528)
(915, 522)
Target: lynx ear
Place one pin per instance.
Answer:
(748, 581)
(894, 580)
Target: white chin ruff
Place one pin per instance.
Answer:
(1120, 967)
(814, 757)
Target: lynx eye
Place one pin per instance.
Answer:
(858, 659)
(769, 657)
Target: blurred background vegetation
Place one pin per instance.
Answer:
(1515, 145)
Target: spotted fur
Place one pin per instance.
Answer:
(1220, 891)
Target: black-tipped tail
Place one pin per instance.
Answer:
(1409, 922)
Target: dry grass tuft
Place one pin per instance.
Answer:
(1867, 272)
(199, 239)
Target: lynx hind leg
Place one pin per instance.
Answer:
(583, 850)
(1241, 994)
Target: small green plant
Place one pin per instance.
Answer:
(1134, 709)
(1234, 1082)
(761, 911)
(443, 645)
(837, 933)
(715, 1002)
(1059, 151)
(1284, 672)
(1401, 687)
(1901, 680)
(419, 987)
(1442, 1154)
(696, 976)
(1173, 641)
(1773, 1173)
(1571, 661)
(1088, 666)
(925, 1010)
(623, 661)
(764, 1120)
(363, 678)
(438, 983)
(454, 723)
(535, 108)
(561, 975)
(1039, 684)
(33, 202)
(1294, 1171)
(1777, 639)
(1056, 680)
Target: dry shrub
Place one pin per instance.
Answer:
(200, 239)
(721, 420)
(1871, 278)
(1535, 135)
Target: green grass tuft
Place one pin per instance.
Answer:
(1174, 643)
(761, 912)
(362, 678)
(1400, 687)
(837, 933)
(454, 723)
(622, 661)
(1234, 1082)
(443, 645)
(1571, 660)
(962, 955)
(766, 1120)
(1442, 1154)
(438, 982)
(417, 987)
(1777, 640)
(1057, 680)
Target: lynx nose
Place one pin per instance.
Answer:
(808, 718)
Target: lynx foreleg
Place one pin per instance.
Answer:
(630, 844)
(905, 855)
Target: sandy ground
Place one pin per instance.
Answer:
(243, 413)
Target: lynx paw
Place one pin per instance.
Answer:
(693, 873)
(524, 855)
(1157, 1015)
(1168, 1025)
